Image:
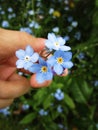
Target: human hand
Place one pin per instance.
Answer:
(11, 84)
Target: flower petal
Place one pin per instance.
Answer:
(67, 56)
(52, 37)
(20, 63)
(40, 77)
(65, 48)
(35, 68)
(42, 61)
(35, 57)
(51, 61)
(49, 76)
(61, 40)
(58, 53)
(20, 54)
(29, 50)
(27, 65)
(58, 69)
(48, 44)
(67, 64)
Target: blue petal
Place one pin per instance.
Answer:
(49, 44)
(42, 61)
(29, 50)
(49, 76)
(20, 63)
(52, 37)
(20, 54)
(67, 56)
(65, 48)
(58, 69)
(61, 40)
(35, 57)
(35, 68)
(51, 61)
(67, 64)
(40, 77)
(58, 53)
(27, 65)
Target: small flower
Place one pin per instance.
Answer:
(31, 12)
(81, 56)
(59, 109)
(42, 70)
(66, 38)
(56, 13)
(56, 43)
(51, 10)
(42, 112)
(26, 29)
(26, 58)
(56, 29)
(60, 61)
(25, 107)
(5, 24)
(5, 111)
(10, 10)
(59, 95)
(77, 35)
(74, 23)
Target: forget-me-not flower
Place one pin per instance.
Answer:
(60, 61)
(26, 57)
(5, 111)
(42, 70)
(5, 24)
(59, 109)
(42, 112)
(59, 95)
(26, 29)
(56, 43)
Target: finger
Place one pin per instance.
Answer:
(6, 71)
(15, 87)
(5, 102)
(65, 73)
(35, 84)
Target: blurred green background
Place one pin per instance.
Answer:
(71, 102)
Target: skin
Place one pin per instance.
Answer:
(13, 85)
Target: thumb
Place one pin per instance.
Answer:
(10, 41)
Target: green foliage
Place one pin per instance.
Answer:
(78, 110)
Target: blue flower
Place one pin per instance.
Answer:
(5, 24)
(26, 57)
(26, 29)
(42, 70)
(59, 95)
(56, 43)
(59, 109)
(5, 111)
(42, 112)
(59, 61)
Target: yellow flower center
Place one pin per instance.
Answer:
(27, 58)
(60, 60)
(56, 44)
(44, 69)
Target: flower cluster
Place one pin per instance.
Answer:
(57, 60)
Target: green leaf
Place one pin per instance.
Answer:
(77, 93)
(27, 119)
(97, 3)
(47, 102)
(68, 100)
(86, 89)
